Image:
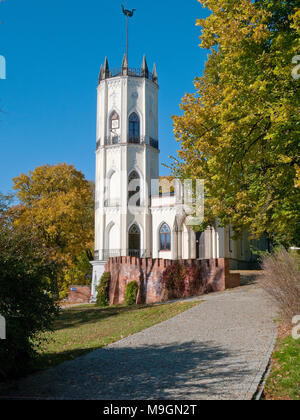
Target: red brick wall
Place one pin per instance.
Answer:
(148, 272)
(82, 294)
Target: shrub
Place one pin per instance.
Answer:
(281, 280)
(173, 278)
(103, 290)
(180, 281)
(26, 300)
(131, 293)
(192, 281)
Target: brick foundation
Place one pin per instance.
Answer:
(82, 294)
(201, 276)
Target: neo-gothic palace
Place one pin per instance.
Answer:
(127, 171)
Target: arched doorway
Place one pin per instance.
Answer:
(134, 241)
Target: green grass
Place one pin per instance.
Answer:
(81, 329)
(284, 380)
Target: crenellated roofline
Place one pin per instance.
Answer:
(124, 70)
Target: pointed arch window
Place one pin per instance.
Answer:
(134, 187)
(134, 128)
(134, 241)
(165, 238)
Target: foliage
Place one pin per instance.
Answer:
(193, 282)
(5, 202)
(281, 280)
(57, 205)
(166, 185)
(283, 381)
(103, 290)
(173, 279)
(181, 280)
(131, 293)
(79, 273)
(26, 297)
(240, 130)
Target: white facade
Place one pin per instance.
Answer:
(127, 158)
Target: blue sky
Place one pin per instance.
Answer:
(53, 51)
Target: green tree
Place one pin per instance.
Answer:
(240, 130)
(26, 297)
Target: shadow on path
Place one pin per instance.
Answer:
(175, 371)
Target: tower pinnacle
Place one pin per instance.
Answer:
(124, 66)
(154, 74)
(106, 69)
(145, 71)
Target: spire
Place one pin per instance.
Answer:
(154, 74)
(105, 69)
(124, 66)
(100, 74)
(145, 71)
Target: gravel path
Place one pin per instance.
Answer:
(219, 349)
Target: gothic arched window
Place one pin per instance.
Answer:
(165, 237)
(134, 128)
(134, 241)
(134, 187)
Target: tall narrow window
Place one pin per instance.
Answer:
(134, 241)
(134, 187)
(134, 128)
(165, 238)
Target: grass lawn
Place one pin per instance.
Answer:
(81, 329)
(284, 380)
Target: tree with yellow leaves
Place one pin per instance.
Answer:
(57, 204)
(240, 130)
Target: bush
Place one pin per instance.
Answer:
(173, 278)
(131, 293)
(192, 280)
(103, 290)
(180, 281)
(26, 300)
(281, 280)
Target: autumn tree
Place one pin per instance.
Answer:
(240, 130)
(57, 204)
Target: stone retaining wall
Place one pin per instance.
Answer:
(214, 276)
(79, 294)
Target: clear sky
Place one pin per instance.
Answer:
(54, 50)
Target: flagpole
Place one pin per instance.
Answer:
(127, 39)
(128, 14)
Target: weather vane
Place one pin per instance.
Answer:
(128, 14)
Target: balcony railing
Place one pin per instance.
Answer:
(115, 139)
(112, 203)
(142, 253)
(134, 140)
(112, 253)
(133, 72)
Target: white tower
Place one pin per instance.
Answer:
(126, 162)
